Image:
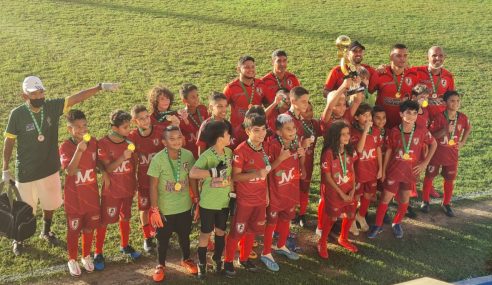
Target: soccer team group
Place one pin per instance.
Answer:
(253, 172)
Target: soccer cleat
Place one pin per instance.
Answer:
(287, 253)
(353, 229)
(229, 269)
(374, 231)
(99, 263)
(364, 227)
(131, 252)
(202, 271)
(295, 221)
(249, 265)
(159, 273)
(219, 267)
(17, 247)
(73, 268)
(434, 193)
(87, 263)
(270, 263)
(411, 213)
(322, 249)
(448, 211)
(397, 230)
(190, 266)
(348, 245)
(302, 221)
(51, 238)
(425, 207)
(149, 245)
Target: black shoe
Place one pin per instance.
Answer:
(149, 245)
(248, 265)
(219, 267)
(51, 238)
(17, 247)
(202, 271)
(387, 219)
(425, 207)
(229, 269)
(295, 221)
(302, 221)
(411, 213)
(448, 211)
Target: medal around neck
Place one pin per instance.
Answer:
(177, 187)
(131, 147)
(86, 137)
(41, 138)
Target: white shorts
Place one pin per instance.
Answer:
(47, 190)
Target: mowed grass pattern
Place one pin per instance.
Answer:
(73, 45)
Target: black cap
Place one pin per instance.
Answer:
(356, 44)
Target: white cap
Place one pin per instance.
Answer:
(31, 84)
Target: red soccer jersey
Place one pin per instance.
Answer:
(284, 180)
(311, 128)
(239, 136)
(250, 193)
(399, 169)
(273, 84)
(448, 154)
(438, 85)
(387, 89)
(272, 118)
(157, 118)
(366, 167)
(335, 78)
(190, 131)
(330, 165)
(423, 119)
(81, 192)
(146, 148)
(122, 179)
(325, 126)
(200, 142)
(240, 101)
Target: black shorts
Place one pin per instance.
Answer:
(210, 219)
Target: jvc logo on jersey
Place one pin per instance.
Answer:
(123, 168)
(145, 159)
(192, 138)
(285, 178)
(88, 177)
(401, 153)
(368, 155)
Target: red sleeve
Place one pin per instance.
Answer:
(102, 152)
(331, 80)
(238, 161)
(227, 93)
(428, 138)
(326, 162)
(65, 155)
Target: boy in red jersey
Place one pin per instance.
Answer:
(78, 157)
(192, 116)
(280, 105)
(244, 91)
(402, 164)
(116, 154)
(249, 171)
(160, 102)
(279, 77)
(147, 140)
(368, 168)
(285, 152)
(451, 129)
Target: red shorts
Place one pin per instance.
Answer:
(393, 186)
(248, 219)
(114, 209)
(286, 213)
(335, 211)
(143, 199)
(87, 221)
(448, 172)
(366, 187)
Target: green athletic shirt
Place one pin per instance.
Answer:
(215, 191)
(171, 201)
(34, 159)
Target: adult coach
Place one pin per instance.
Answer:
(355, 55)
(34, 126)
(436, 78)
(394, 84)
(279, 77)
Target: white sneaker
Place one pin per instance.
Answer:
(88, 263)
(318, 232)
(364, 227)
(353, 229)
(73, 268)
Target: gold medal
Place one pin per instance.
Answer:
(86, 137)
(177, 187)
(425, 104)
(41, 138)
(131, 147)
(397, 95)
(451, 142)
(224, 182)
(406, 156)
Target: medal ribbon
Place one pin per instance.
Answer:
(307, 129)
(121, 137)
(406, 146)
(343, 163)
(39, 127)
(280, 85)
(212, 149)
(293, 144)
(265, 157)
(454, 124)
(434, 87)
(175, 173)
(162, 115)
(398, 85)
(200, 119)
(250, 99)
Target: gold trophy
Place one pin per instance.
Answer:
(348, 69)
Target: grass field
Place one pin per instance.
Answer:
(73, 45)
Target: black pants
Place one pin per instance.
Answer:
(180, 224)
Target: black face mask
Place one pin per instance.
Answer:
(37, 103)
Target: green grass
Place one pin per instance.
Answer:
(73, 45)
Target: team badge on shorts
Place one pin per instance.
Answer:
(240, 228)
(261, 223)
(273, 214)
(144, 201)
(111, 211)
(431, 168)
(391, 182)
(74, 224)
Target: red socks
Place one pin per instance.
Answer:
(124, 232)
(402, 210)
(231, 247)
(327, 225)
(346, 223)
(87, 243)
(448, 191)
(321, 211)
(268, 239)
(303, 202)
(382, 208)
(247, 246)
(72, 244)
(364, 206)
(426, 189)
(147, 230)
(283, 228)
(100, 236)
